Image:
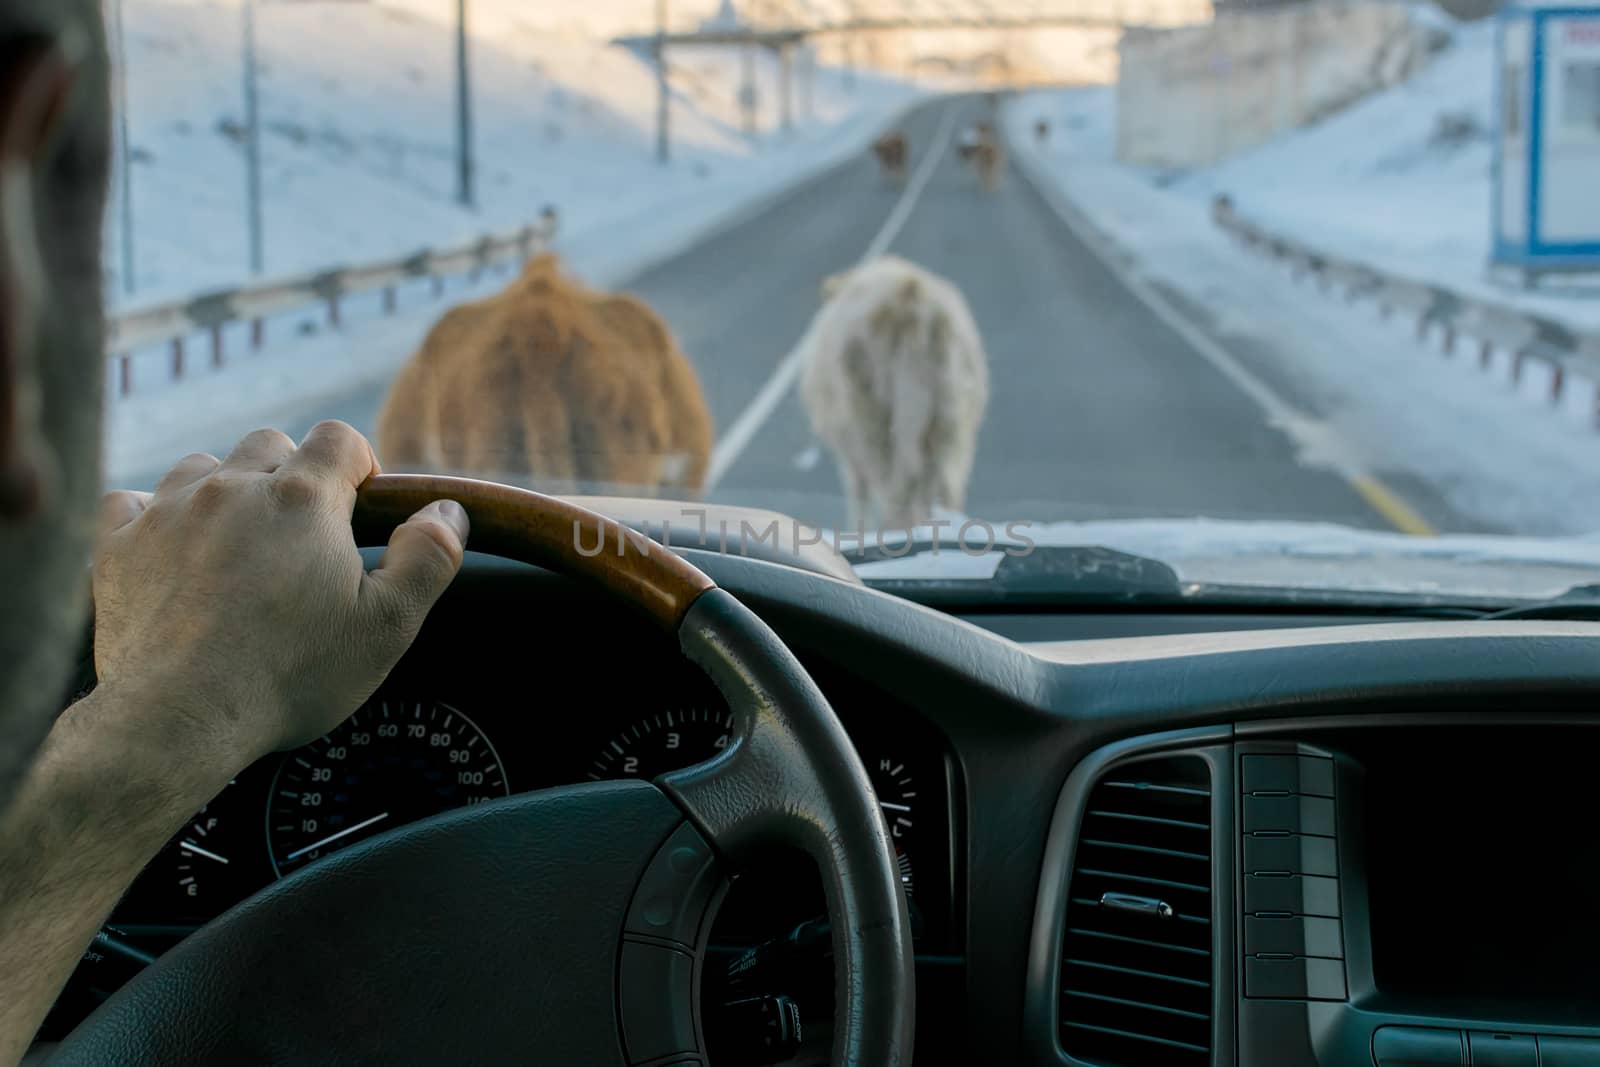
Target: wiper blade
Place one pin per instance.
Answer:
(1581, 602)
(1073, 571)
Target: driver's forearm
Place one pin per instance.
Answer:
(102, 798)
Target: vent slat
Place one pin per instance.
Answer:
(1124, 876)
(1137, 973)
(1174, 853)
(1140, 941)
(1142, 1005)
(1130, 981)
(1141, 1037)
(1152, 819)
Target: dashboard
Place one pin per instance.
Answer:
(1128, 839)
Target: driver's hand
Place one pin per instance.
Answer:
(232, 602)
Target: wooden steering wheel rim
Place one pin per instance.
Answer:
(546, 531)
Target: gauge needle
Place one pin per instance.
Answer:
(893, 807)
(331, 838)
(190, 846)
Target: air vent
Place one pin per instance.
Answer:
(1136, 957)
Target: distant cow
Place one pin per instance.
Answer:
(895, 382)
(891, 152)
(552, 383)
(980, 146)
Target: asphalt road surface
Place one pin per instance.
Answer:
(1098, 408)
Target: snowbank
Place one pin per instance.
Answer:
(1400, 180)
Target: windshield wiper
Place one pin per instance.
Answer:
(1581, 602)
(1086, 572)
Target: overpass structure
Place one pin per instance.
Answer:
(784, 26)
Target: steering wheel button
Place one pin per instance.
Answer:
(676, 889)
(656, 989)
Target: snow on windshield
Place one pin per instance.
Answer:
(1083, 265)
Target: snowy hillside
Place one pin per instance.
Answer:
(1401, 180)
(357, 107)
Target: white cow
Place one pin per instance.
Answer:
(896, 383)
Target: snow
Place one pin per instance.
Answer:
(1363, 390)
(1307, 555)
(357, 105)
(1400, 180)
(356, 101)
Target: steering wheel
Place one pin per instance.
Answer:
(564, 926)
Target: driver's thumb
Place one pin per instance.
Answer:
(423, 557)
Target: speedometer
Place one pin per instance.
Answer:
(392, 762)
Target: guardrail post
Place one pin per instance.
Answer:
(333, 311)
(1557, 380)
(438, 285)
(388, 300)
(177, 358)
(1449, 339)
(1516, 366)
(216, 344)
(258, 333)
(124, 374)
(1485, 354)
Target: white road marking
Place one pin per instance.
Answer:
(1317, 444)
(744, 428)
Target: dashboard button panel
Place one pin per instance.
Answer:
(1291, 894)
(1296, 977)
(1296, 935)
(1310, 776)
(1289, 859)
(1288, 813)
(1291, 854)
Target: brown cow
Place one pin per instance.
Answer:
(891, 152)
(551, 384)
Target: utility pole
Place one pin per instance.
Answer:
(125, 183)
(785, 77)
(663, 104)
(252, 138)
(463, 111)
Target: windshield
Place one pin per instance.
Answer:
(1299, 294)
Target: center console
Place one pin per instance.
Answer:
(1382, 892)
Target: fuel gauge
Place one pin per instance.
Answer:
(203, 870)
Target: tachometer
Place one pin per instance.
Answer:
(665, 741)
(392, 762)
(681, 737)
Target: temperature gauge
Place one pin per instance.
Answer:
(897, 798)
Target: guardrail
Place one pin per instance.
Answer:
(1563, 348)
(173, 323)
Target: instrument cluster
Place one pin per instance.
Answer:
(415, 750)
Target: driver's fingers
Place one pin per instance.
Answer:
(187, 471)
(120, 507)
(260, 450)
(423, 556)
(334, 450)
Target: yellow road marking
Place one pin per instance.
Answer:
(1387, 502)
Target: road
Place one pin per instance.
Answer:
(1099, 408)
